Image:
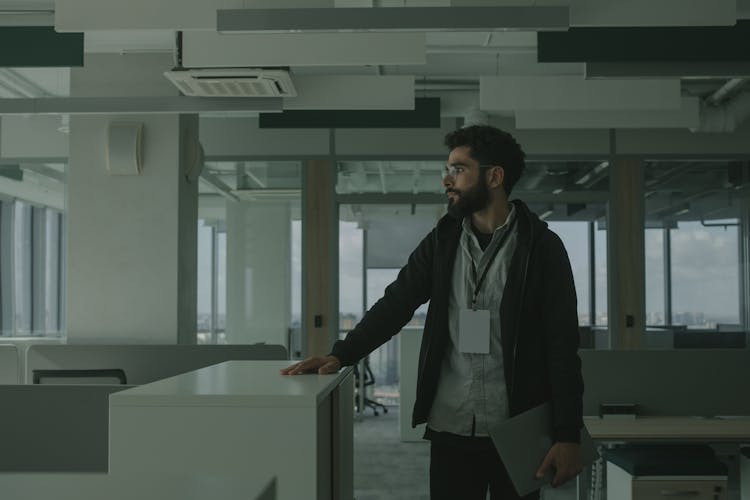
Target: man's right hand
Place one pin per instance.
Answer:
(324, 365)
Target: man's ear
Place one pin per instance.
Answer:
(496, 177)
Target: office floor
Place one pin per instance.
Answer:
(384, 467)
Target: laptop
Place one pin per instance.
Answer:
(524, 440)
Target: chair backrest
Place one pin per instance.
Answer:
(143, 363)
(679, 382)
(111, 376)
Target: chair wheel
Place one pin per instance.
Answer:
(376, 413)
(385, 410)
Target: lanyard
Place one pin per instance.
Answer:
(479, 283)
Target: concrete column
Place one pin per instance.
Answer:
(258, 272)
(626, 259)
(132, 240)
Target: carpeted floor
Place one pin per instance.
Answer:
(384, 467)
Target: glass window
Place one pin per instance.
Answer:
(698, 201)
(705, 275)
(384, 177)
(655, 310)
(23, 258)
(221, 286)
(52, 271)
(205, 282)
(295, 345)
(32, 248)
(250, 253)
(575, 237)
(600, 275)
(351, 303)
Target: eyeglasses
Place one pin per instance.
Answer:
(452, 171)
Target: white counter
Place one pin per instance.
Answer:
(234, 383)
(239, 416)
(730, 429)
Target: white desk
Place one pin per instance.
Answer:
(733, 431)
(155, 486)
(238, 416)
(667, 428)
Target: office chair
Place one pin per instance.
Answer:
(92, 376)
(368, 381)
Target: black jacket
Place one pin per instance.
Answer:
(538, 317)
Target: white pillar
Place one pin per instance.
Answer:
(132, 240)
(258, 272)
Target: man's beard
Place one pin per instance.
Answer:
(469, 201)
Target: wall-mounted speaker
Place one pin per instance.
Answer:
(125, 148)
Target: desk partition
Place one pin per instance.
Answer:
(700, 382)
(55, 428)
(143, 364)
(8, 364)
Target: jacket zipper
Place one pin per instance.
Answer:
(518, 317)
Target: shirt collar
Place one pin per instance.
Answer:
(466, 223)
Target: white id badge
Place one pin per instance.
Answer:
(474, 331)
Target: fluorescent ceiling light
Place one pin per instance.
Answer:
(555, 93)
(685, 116)
(208, 49)
(391, 18)
(137, 105)
(718, 69)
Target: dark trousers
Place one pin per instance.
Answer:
(460, 473)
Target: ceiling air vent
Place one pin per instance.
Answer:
(240, 82)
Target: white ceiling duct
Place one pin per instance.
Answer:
(727, 117)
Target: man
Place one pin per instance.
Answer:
(501, 333)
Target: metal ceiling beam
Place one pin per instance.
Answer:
(137, 105)
(220, 186)
(208, 49)
(688, 69)
(19, 85)
(685, 44)
(391, 18)
(45, 171)
(726, 91)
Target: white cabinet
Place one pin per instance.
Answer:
(240, 416)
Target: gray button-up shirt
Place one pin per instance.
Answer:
(471, 389)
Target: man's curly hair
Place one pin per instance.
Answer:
(491, 146)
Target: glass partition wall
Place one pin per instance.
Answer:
(693, 244)
(249, 261)
(32, 249)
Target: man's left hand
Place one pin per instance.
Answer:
(565, 459)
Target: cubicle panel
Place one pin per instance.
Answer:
(668, 383)
(55, 428)
(722, 339)
(8, 364)
(143, 364)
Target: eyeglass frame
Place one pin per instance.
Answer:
(452, 171)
